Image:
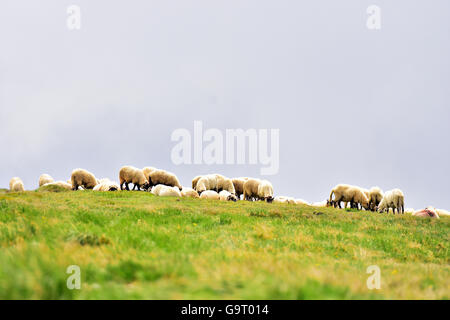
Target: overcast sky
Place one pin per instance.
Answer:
(353, 105)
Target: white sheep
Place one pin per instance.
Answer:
(62, 184)
(348, 193)
(16, 185)
(225, 195)
(45, 178)
(189, 193)
(129, 174)
(164, 177)
(84, 178)
(301, 201)
(106, 185)
(238, 184)
(258, 189)
(375, 196)
(210, 194)
(284, 199)
(215, 182)
(392, 199)
(442, 212)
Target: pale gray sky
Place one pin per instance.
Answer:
(353, 105)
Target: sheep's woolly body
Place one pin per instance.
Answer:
(238, 184)
(428, 212)
(210, 194)
(16, 185)
(392, 199)
(215, 182)
(164, 177)
(83, 178)
(62, 184)
(258, 189)
(265, 190)
(147, 171)
(129, 174)
(195, 181)
(106, 185)
(162, 190)
(225, 195)
(375, 196)
(348, 193)
(45, 178)
(442, 212)
(284, 199)
(189, 193)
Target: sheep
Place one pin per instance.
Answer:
(375, 196)
(428, 212)
(166, 191)
(189, 193)
(210, 194)
(215, 182)
(195, 181)
(321, 204)
(410, 210)
(163, 177)
(258, 189)
(442, 212)
(147, 171)
(129, 174)
(392, 199)
(238, 184)
(284, 199)
(45, 178)
(225, 195)
(62, 184)
(106, 185)
(84, 178)
(16, 185)
(348, 193)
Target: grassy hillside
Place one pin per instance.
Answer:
(136, 245)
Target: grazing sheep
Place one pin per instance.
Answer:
(392, 199)
(428, 212)
(45, 178)
(106, 185)
(375, 196)
(84, 178)
(163, 177)
(189, 193)
(215, 182)
(16, 185)
(195, 181)
(166, 191)
(284, 199)
(258, 189)
(238, 184)
(210, 194)
(147, 171)
(348, 193)
(129, 174)
(225, 195)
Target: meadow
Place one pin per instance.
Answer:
(133, 245)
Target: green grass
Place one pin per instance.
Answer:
(132, 245)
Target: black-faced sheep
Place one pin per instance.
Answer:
(163, 177)
(375, 196)
(224, 195)
(44, 179)
(16, 185)
(392, 199)
(83, 178)
(258, 189)
(238, 184)
(129, 174)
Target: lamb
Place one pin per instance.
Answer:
(129, 174)
(106, 185)
(84, 178)
(428, 212)
(258, 189)
(164, 177)
(45, 178)
(16, 185)
(210, 194)
(347, 193)
(166, 191)
(375, 196)
(238, 184)
(189, 193)
(392, 199)
(225, 195)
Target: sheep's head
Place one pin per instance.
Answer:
(269, 199)
(146, 186)
(232, 197)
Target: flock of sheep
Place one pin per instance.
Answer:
(218, 187)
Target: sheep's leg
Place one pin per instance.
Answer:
(134, 186)
(127, 186)
(138, 188)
